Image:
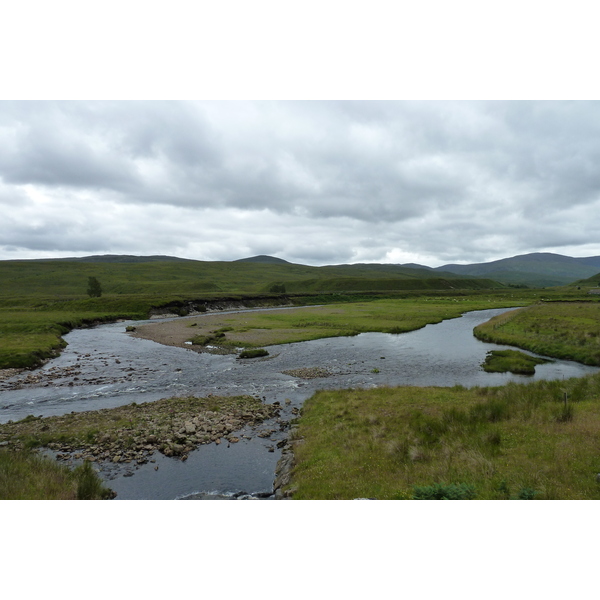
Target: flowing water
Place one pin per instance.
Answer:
(103, 367)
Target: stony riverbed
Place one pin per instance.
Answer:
(133, 433)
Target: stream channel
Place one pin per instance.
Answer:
(104, 367)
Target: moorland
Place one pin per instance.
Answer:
(519, 441)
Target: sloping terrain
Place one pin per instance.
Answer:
(167, 277)
(540, 269)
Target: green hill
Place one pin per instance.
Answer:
(262, 258)
(540, 269)
(383, 284)
(150, 276)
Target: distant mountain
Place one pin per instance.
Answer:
(539, 269)
(116, 258)
(263, 258)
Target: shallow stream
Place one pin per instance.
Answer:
(103, 367)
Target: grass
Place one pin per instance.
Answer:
(516, 441)
(254, 353)
(41, 300)
(399, 315)
(567, 330)
(28, 476)
(513, 361)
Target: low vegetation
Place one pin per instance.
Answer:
(42, 300)
(28, 476)
(255, 353)
(567, 330)
(513, 361)
(226, 332)
(520, 441)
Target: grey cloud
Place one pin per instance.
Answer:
(450, 179)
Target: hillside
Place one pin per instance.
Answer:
(262, 258)
(116, 258)
(135, 275)
(540, 269)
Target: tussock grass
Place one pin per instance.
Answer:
(386, 442)
(28, 476)
(513, 361)
(568, 330)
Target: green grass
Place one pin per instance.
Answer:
(567, 330)
(41, 300)
(513, 361)
(28, 476)
(383, 315)
(254, 353)
(512, 442)
(188, 277)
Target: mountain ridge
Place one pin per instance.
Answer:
(537, 269)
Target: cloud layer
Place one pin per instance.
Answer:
(311, 182)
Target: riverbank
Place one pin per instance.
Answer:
(567, 330)
(228, 332)
(521, 441)
(128, 436)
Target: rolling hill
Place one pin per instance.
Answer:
(150, 275)
(539, 269)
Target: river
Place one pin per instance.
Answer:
(103, 367)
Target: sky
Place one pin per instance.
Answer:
(328, 135)
(312, 182)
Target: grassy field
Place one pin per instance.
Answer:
(568, 330)
(41, 300)
(58, 278)
(512, 442)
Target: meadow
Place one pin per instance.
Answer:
(567, 330)
(519, 441)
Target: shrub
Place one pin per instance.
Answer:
(94, 288)
(441, 491)
(526, 494)
(89, 485)
(566, 414)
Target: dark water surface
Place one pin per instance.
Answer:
(103, 367)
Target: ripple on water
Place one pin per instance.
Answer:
(139, 370)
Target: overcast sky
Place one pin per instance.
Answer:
(317, 183)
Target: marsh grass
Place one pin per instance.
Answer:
(568, 330)
(254, 353)
(28, 476)
(348, 319)
(381, 443)
(513, 361)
